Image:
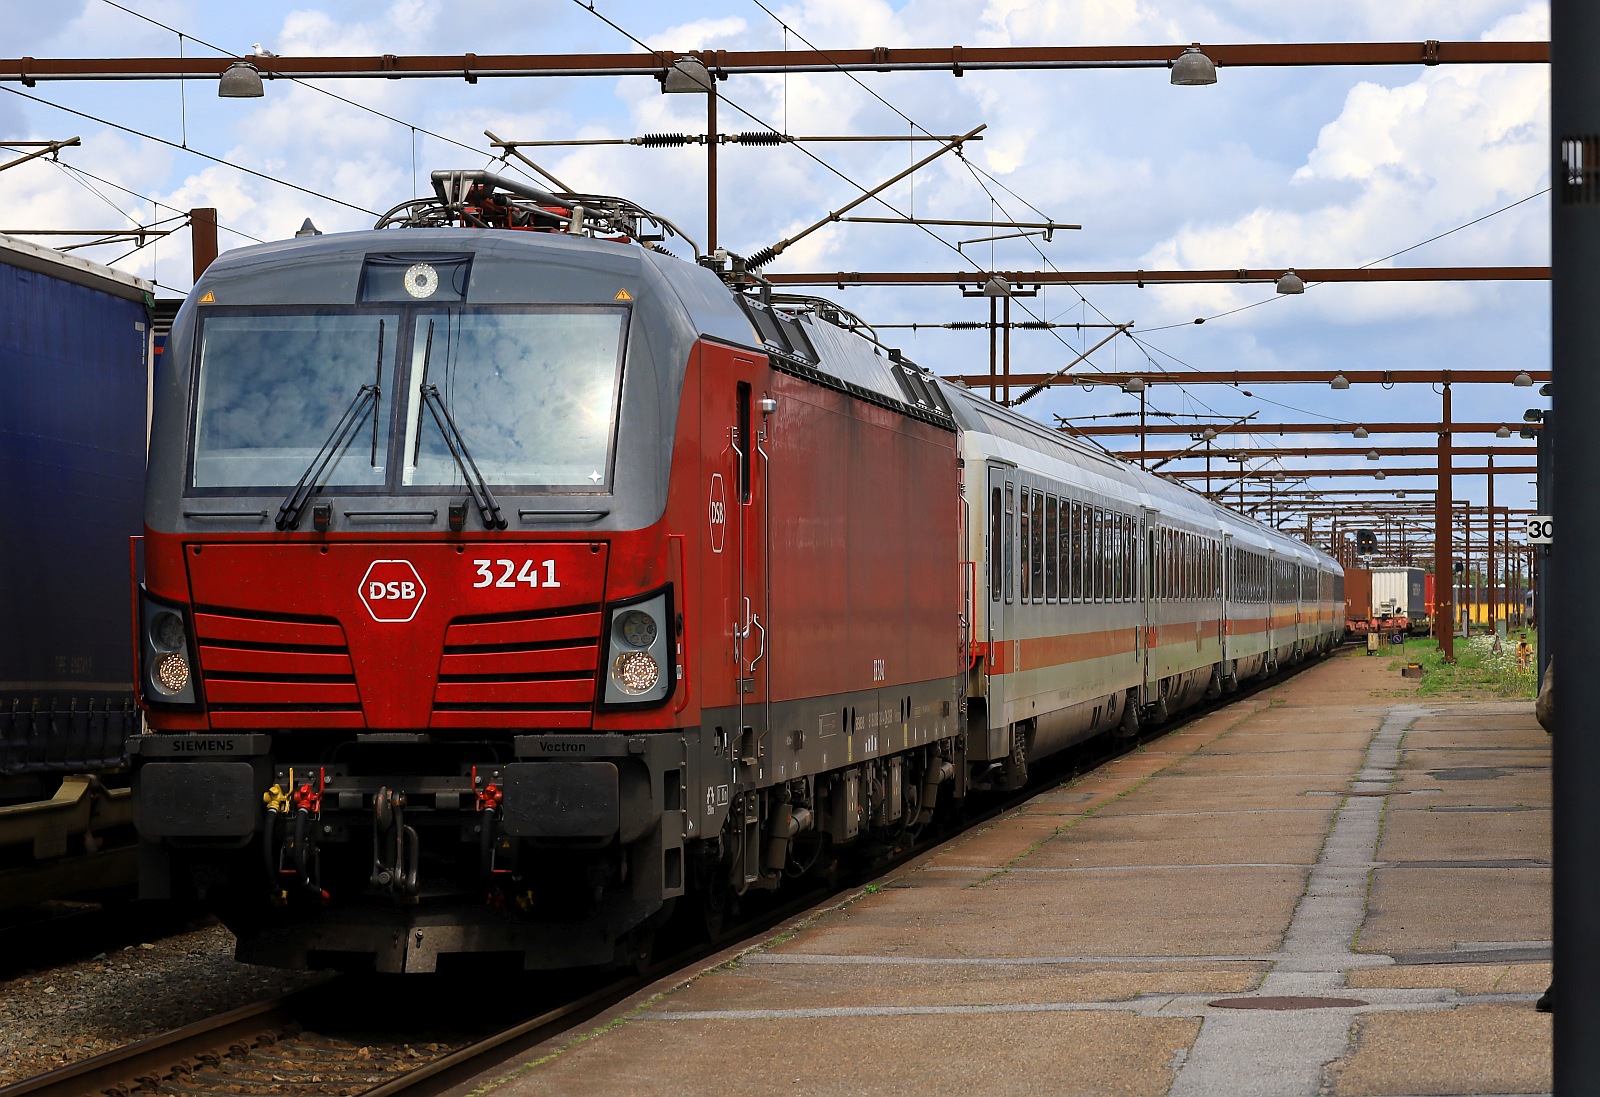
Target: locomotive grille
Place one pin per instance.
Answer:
(250, 664)
(522, 671)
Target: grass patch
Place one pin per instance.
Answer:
(1478, 668)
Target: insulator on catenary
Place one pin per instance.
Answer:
(760, 258)
(965, 325)
(762, 137)
(662, 140)
(1035, 325)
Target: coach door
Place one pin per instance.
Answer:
(1225, 589)
(999, 555)
(1150, 588)
(737, 565)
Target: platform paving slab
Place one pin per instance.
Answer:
(1421, 833)
(1096, 941)
(1476, 1049)
(664, 1054)
(1466, 979)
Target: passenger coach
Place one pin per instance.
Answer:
(1109, 597)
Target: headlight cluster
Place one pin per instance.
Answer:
(639, 657)
(636, 672)
(167, 673)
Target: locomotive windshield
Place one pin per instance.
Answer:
(532, 394)
(273, 387)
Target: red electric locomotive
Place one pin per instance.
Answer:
(509, 580)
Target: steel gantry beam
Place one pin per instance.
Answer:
(1142, 278)
(1229, 452)
(1232, 477)
(956, 60)
(1241, 378)
(1296, 428)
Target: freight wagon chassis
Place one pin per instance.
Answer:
(78, 841)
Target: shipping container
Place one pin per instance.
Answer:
(1399, 592)
(74, 393)
(1357, 600)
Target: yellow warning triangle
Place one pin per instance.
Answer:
(209, 299)
(623, 295)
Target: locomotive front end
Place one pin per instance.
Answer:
(411, 628)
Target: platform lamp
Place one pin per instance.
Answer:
(688, 75)
(1290, 282)
(1522, 380)
(1340, 381)
(1193, 68)
(1360, 431)
(240, 81)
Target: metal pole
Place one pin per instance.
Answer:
(1541, 564)
(203, 238)
(711, 169)
(994, 353)
(1142, 446)
(1505, 558)
(1444, 578)
(1005, 343)
(1575, 583)
(1490, 579)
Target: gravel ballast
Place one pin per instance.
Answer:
(69, 1013)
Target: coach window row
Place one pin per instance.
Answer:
(1184, 566)
(1309, 583)
(1285, 581)
(1249, 578)
(1069, 551)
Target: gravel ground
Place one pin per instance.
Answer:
(69, 1013)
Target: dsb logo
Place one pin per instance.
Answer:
(392, 590)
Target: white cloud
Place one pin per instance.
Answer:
(402, 27)
(1315, 167)
(1417, 160)
(698, 34)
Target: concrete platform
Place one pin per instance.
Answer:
(1378, 861)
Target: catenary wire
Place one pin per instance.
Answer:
(191, 150)
(302, 83)
(1363, 266)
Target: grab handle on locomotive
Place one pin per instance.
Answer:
(755, 622)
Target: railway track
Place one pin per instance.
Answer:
(298, 1043)
(339, 1038)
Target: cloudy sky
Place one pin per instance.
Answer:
(1333, 167)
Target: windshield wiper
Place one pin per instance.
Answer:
(477, 486)
(368, 398)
